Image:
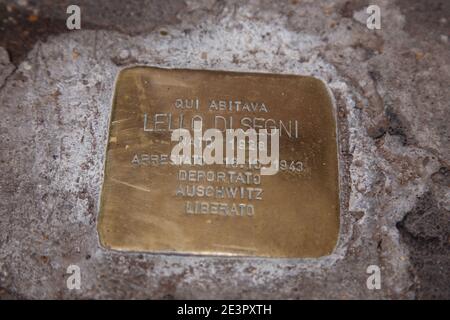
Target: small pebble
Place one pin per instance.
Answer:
(124, 53)
(32, 18)
(27, 66)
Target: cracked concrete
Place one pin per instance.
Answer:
(392, 105)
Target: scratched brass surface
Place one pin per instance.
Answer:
(294, 213)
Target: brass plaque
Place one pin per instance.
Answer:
(151, 204)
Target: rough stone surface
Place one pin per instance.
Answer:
(392, 105)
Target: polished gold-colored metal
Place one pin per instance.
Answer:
(145, 204)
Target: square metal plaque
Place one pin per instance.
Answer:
(151, 204)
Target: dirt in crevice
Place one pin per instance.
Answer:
(22, 26)
(426, 231)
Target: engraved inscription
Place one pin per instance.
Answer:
(205, 162)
